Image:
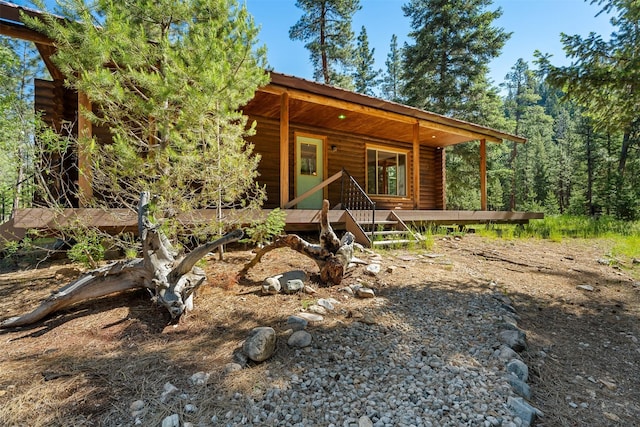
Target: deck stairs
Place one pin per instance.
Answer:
(386, 232)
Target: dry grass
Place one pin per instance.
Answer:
(85, 366)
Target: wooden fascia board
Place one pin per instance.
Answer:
(299, 95)
(23, 33)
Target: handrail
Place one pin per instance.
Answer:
(309, 192)
(354, 199)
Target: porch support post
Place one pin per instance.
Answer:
(443, 165)
(284, 149)
(483, 174)
(85, 175)
(416, 165)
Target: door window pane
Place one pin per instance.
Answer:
(308, 159)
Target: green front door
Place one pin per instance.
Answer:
(309, 170)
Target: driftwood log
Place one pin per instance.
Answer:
(332, 255)
(172, 281)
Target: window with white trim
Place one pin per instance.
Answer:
(386, 172)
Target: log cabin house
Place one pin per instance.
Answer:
(379, 163)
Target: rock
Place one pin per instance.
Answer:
(309, 290)
(299, 339)
(328, 303)
(315, 308)
(608, 384)
(391, 268)
(311, 317)
(363, 292)
(190, 408)
(260, 344)
(169, 389)
(522, 410)
(587, 288)
(519, 386)
(271, 286)
(199, 378)
(171, 421)
(373, 269)
(297, 323)
(519, 369)
(232, 367)
(505, 353)
(275, 284)
(365, 421)
(293, 286)
(516, 339)
(136, 405)
(348, 290)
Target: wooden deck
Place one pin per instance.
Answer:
(115, 221)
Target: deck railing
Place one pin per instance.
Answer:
(356, 201)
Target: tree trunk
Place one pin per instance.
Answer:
(332, 255)
(172, 280)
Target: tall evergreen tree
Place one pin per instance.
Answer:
(454, 41)
(167, 78)
(18, 66)
(521, 96)
(325, 26)
(604, 80)
(392, 77)
(365, 77)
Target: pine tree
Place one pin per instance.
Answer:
(167, 78)
(603, 79)
(325, 26)
(392, 78)
(18, 67)
(454, 41)
(365, 77)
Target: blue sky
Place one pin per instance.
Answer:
(535, 24)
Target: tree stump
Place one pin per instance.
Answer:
(171, 280)
(332, 255)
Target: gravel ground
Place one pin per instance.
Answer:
(420, 356)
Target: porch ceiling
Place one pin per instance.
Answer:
(324, 106)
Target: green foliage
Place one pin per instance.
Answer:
(325, 26)
(365, 77)
(168, 79)
(262, 232)
(392, 77)
(567, 226)
(88, 251)
(446, 66)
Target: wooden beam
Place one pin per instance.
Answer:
(23, 33)
(85, 175)
(483, 175)
(416, 165)
(45, 53)
(284, 149)
(443, 157)
(336, 176)
(374, 112)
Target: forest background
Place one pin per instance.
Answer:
(581, 120)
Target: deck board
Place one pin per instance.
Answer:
(122, 220)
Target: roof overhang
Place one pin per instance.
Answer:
(329, 107)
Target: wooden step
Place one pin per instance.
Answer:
(391, 242)
(386, 232)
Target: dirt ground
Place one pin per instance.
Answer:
(86, 365)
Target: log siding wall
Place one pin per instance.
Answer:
(350, 155)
